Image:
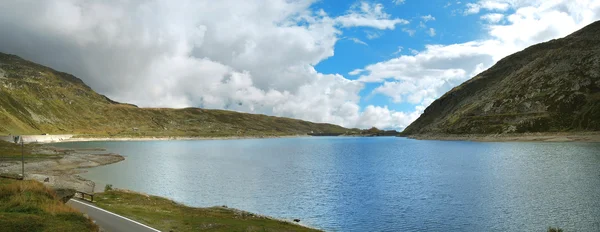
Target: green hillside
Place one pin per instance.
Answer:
(35, 99)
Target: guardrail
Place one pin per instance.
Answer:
(83, 194)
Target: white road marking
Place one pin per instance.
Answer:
(114, 214)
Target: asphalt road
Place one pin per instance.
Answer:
(108, 221)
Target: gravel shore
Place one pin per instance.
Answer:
(60, 170)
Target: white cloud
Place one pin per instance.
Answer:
(400, 48)
(491, 5)
(431, 32)
(382, 117)
(494, 5)
(358, 41)
(492, 17)
(427, 18)
(472, 8)
(373, 34)
(410, 32)
(398, 2)
(369, 15)
(356, 72)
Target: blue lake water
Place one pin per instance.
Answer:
(372, 184)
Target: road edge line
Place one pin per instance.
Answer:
(106, 211)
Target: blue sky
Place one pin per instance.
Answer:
(448, 21)
(358, 63)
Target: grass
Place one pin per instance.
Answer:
(167, 215)
(30, 206)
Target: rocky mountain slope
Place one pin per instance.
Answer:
(549, 87)
(35, 99)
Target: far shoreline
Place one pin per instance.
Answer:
(591, 137)
(169, 138)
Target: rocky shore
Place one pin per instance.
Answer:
(60, 169)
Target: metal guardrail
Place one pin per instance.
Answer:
(83, 194)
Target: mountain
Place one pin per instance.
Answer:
(35, 99)
(549, 87)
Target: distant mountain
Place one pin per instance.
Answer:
(35, 99)
(549, 87)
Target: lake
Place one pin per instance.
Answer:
(372, 184)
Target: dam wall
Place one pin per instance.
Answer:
(36, 138)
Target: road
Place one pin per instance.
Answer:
(108, 221)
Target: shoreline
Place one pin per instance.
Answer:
(61, 168)
(172, 138)
(75, 138)
(591, 137)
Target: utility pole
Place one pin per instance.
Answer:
(22, 159)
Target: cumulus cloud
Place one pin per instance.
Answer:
(253, 56)
(382, 117)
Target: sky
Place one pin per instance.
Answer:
(352, 63)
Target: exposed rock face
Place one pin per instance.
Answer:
(549, 87)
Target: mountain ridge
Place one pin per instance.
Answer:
(548, 87)
(37, 99)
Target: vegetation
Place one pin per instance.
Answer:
(557, 229)
(525, 92)
(167, 215)
(29, 206)
(35, 99)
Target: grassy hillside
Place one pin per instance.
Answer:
(35, 99)
(549, 87)
(29, 206)
(167, 215)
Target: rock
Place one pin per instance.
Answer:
(296, 220)
(47, 179)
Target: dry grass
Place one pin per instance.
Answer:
(30, 206)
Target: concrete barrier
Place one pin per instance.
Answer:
(37, 138)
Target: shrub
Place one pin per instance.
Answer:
(108, 188)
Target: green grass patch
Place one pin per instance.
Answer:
(167, 215)
(30, 206)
